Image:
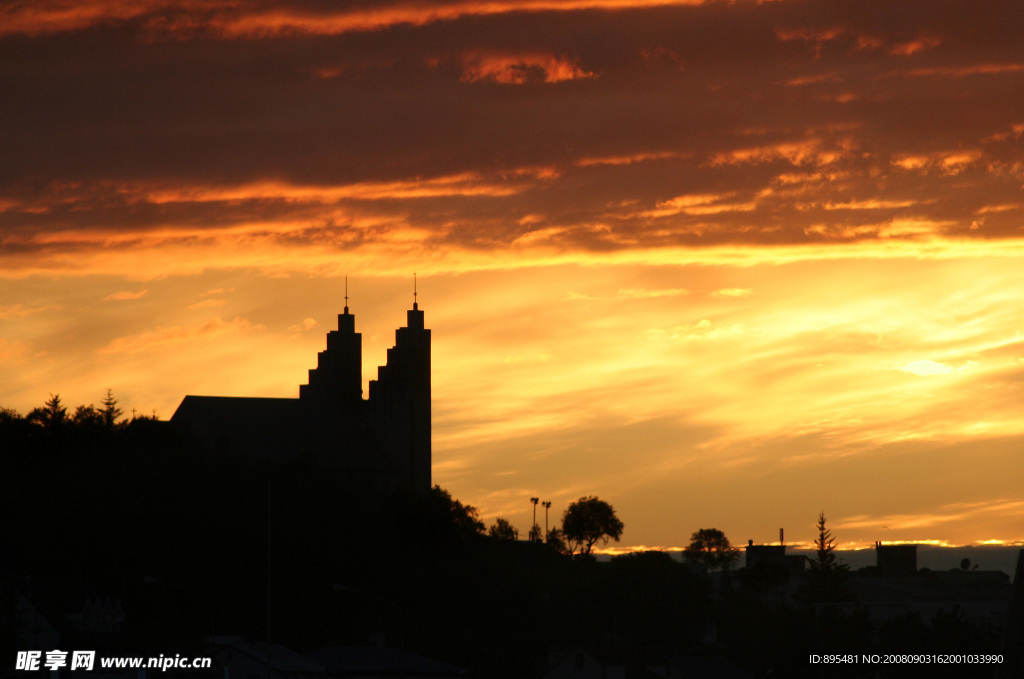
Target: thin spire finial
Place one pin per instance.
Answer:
(415, 292)
(346, 294)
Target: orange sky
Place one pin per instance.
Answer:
(721, 264)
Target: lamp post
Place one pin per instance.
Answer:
(547, 506)
(534, 500)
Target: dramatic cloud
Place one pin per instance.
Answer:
(676, 251)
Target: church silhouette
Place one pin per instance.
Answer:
(383, 439)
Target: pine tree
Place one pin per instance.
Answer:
(52, 415)
(827, 574)
(110, 410)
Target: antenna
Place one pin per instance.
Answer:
(346, 294)
(415, 302)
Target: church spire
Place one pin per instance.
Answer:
(346, 294)
(415, 302)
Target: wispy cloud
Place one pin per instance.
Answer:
(953, 512)
(258, 22)
(629, 293)
(208, 303)
(521, 69)
(123, 295)
(170, 339)
(8, 311)
(10, 351)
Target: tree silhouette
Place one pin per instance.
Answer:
(710, 547)
(535, 533)
(503, 530)
(447, 519)
(556, 539)
(52, 415)
(588, 520)
(110, 410)
(87, 416)
(825, 560)
(51, 420)
(826, 575)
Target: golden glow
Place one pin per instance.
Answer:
(966, 71)
(64, 15)
(925, 42)
(468, 184)
(809, 152)
(664, 268)
(125, 295)
(978, 512)
(52, 16)
(20, 310)
(927, 367)
(629, 160)
(869, 205)
(813, 79)
(519, 69)
(727, 379)
(705, 204)
(810, 34)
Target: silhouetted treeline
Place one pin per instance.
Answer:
(183, 537)
(53, 429)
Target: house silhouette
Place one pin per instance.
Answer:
(384, 439)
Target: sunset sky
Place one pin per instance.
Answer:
(721, 264)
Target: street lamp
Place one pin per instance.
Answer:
(547, 506)
(534, 500)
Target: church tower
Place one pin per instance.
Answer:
(400, 401)
(384, 439)
(338, 374)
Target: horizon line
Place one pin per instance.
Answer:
(810, 546)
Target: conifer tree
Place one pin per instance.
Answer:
(827, 574)
(52, 415)
(110, 410)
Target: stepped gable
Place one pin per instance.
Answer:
(385, 437)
